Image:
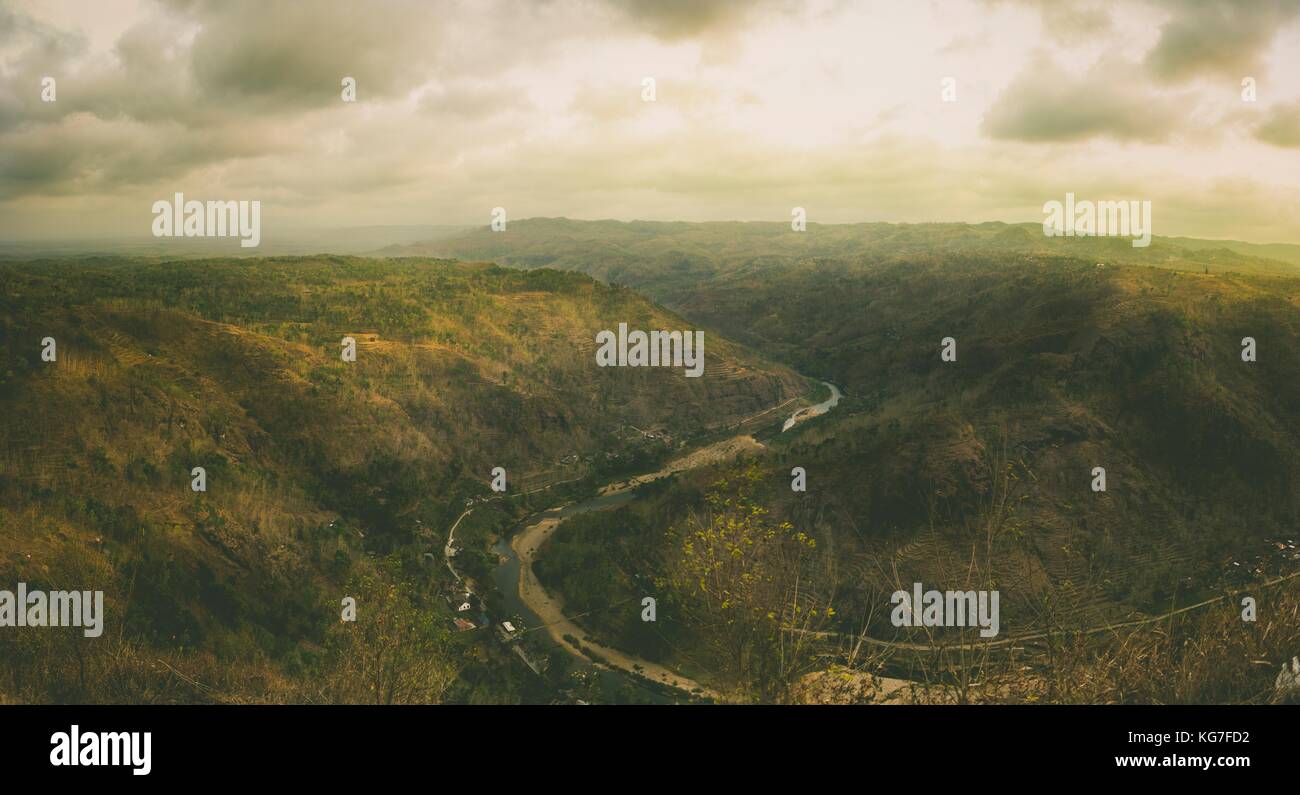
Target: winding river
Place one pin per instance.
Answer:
(813, 411)
(525, 597)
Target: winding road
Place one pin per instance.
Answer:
(549, 608)
(528, 543)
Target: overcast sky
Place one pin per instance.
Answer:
(537, 107)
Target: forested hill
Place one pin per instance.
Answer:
(1093, 355)
(312, 463)
(667, 258)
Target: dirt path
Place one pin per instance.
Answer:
(725, 450)
(526, 543)
(1033, 636)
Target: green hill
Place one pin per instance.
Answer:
(318, 470)
(979, 470)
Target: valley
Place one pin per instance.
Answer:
(325, 478)
(369, 478)
(1064, 364)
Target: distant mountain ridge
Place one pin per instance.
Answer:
(649, 253)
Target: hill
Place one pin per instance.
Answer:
(980, 470)
(325, 478)
(666, 258)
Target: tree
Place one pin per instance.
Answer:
(743, 581)
(394, 653)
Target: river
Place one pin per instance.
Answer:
(813, 411)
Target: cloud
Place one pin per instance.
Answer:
(295, 54)
(1217, 37)
(29, 51)
(687, 101)
(1047, 104)
(680, 19)
(472, 100)
(83, 153)
(1068, 22)
(1281, 127)
(40, 41)
(1072, 22)
(537, 107)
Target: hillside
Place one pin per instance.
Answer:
(324, 478)
(980, 470)
(666, 258)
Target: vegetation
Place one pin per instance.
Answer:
(753, 587)
(325, 478)
(329, 479)
(978, 473)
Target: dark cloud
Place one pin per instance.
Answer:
(86, 154)
(680, 19)
(1199, 38)
(193, 83)
(468, 104)
(1217, 37)
(1046, 103)
(296, 54)
(35, 51)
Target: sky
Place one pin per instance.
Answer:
(538, 107)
